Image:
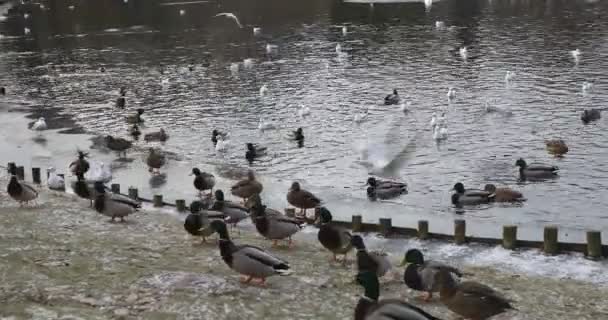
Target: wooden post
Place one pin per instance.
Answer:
(12, 167)
(20, 173)
(550, 240)
(133, 193)
(594, 244)
(509, 237)
(290, 212)
(423, 229)
(36, 175)
(460, 231)
(357, 223)
(115, 187)
(386, 224)
(180, 204)
(157, 200)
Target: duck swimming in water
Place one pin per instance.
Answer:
(254, 151)
(463, 196)
(392, 99)
(535, 171)
(384, 189)
(589, 115)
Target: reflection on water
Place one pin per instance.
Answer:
(194, 72)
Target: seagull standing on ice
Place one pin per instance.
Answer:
(39, 125)
(231, 16)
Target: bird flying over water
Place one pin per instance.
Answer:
(231, 16)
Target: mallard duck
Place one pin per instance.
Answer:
(254, 151)
(80, 166)
(198, 222)
(421, 275)
(250, 261)
(589, 115)
(369, 308)
(504, 194)
(370, 261)
(384, 189)
(235, 213)
(464, 196)
(333, 238)
(298, 136)
(136, 118)
(215, 134)
(535, 171)
(159, 135)
(119, 145)
(203, 180)
(557, 147)
(134, 132)
(54, 181)
(99, 172)
(247, 187)
(121, 102)
(469, 299)
(155, 161)
(20, 191)
(392, 99)
(274, 226)
(113, 205)
(302, 199)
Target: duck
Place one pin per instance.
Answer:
(263, 90)
(392, 99)
(136, 118)
(383, 189)
(265, 125)
(254, 151)
(119, 145)
(155, 161)
(159, 135)
(198, 222)
(39, 125)
(134, 132)
(99, 172)
(85, 189)
(470, 299)
(451, 94)
(249, 261)
(420, 275)
(121, 102)
(234, 212)
(301, 198)
(369, 308)
(463, 196)
(55, 181)
(274, 227)
(298, 136)
(215, 134)
(556, 147)
(333, 238)
(463, 53)
(439, 25)
(20, 191)
(376, 262)
(248, 187)
(303, 111)
(440, 132)
(80, 166)
(2, 91)
(536, 171)
(589, 115)
(203, 180)
(504, 194)
(221, 145)
(113, 205)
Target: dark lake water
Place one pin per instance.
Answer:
(148, 47)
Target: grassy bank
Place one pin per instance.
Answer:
(62, 260)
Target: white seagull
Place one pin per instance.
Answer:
(54, 182)
(463, 53)
(39, 125)
(451, 93)
(231, 16)
(263, 90)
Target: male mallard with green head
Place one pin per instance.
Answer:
(421, 275)
(333, 238)
(464, 196)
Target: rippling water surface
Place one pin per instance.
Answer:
(148, 46)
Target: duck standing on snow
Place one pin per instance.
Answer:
(247, 188)
(234, 212)
(159, 135)
(464, 196)
(301, 198)
(198, 222)
(155, 161)
(253, 152)
(380, 189)
(375, 262)
(274, 227)
(333, 238)
(80, 166)
(119, 145)
(39, 125)
(54, 181)
(469, 299)
(20, 191)
(203, 181)
(420, 275)
(370, 308)
(252, 262)
(392, 99)
(535, 171)
(113, 205)
(136, 118)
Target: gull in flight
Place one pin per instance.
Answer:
(231, 16)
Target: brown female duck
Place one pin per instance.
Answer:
(301, 198)
(248, 187)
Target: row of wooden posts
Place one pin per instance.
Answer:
(550, 245)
